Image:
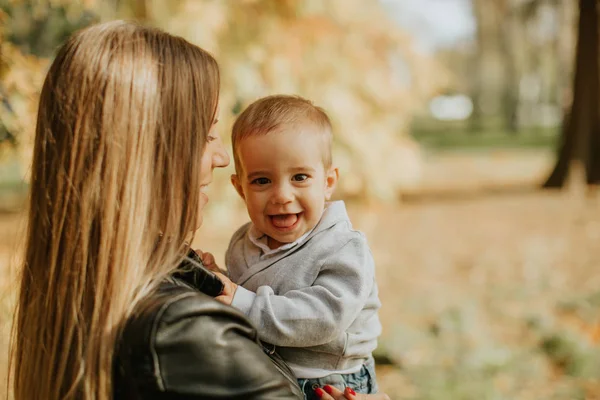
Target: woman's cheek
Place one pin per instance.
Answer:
(202, 200)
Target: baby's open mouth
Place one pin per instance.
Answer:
(284, 221)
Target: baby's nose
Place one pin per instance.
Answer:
(283, 194)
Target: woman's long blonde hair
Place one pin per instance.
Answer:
(123, 119)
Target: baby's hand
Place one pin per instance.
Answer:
(229, 288)
(208, 260)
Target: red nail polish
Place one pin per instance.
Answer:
(319, 392)
(352, 392)
(328, 389)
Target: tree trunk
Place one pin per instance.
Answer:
(580, 139)
(510, 95)
(476, 66)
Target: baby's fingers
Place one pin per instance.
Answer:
(208, 260)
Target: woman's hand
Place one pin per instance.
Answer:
(229, 288)
(329, 392)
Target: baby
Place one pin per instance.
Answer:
(306, 278)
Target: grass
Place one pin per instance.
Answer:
(491, 134)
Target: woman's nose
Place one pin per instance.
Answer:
(220, 157)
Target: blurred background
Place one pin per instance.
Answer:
(467, 133)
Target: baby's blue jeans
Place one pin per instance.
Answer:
(363, 381)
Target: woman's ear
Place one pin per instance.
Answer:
(330, 182)
(235, 181)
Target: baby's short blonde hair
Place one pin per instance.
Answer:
(277, 112)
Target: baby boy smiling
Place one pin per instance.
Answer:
(302, 275)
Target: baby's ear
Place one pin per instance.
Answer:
(330, 182)
(235, 181)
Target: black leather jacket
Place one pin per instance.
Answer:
(182, 344)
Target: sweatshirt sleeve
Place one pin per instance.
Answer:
(317, 314)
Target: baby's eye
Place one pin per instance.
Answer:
(210, 138)
(260, 181)
(300, 177)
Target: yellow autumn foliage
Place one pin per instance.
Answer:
(21, 79)
(347, 56)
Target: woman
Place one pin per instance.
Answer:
(125, 144)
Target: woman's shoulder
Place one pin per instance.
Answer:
(160, 315)
(182, 341)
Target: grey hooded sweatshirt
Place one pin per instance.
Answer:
(317, 301)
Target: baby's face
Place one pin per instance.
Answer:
(284, 182)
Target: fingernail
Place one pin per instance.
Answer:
(352, 392)
(319, 392)
(328, 389)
